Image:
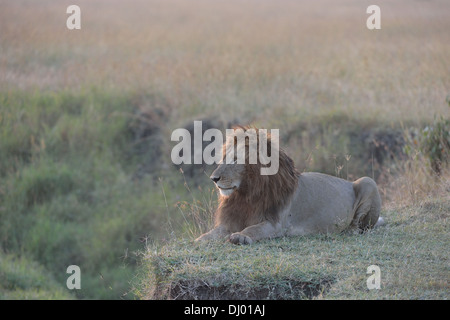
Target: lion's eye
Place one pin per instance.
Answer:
(224, 161)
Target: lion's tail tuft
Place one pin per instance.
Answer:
(380, 222)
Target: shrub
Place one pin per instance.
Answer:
(435, 143)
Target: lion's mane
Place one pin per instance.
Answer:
(259, 197)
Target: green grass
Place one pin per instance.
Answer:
(68, 192)
(411, 251)
(21, 278)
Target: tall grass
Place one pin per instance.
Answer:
(251, 59)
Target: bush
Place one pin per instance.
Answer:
(435, 143)
(431, 142)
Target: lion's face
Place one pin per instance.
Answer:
(228, 177)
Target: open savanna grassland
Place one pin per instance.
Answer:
(252, 58)
(86, 117)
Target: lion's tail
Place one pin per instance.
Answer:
(380, 222)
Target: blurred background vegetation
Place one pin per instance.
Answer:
(86, 117)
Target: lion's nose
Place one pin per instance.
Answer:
(215, 179)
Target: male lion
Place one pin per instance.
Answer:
(254, 206)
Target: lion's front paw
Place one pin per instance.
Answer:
(239, 238)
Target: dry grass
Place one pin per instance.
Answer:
(416, 183)
(295, 57)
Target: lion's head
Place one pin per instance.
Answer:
(228, 177)
(246, 196)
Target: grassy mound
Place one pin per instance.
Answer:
(411, 251)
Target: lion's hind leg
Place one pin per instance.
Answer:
(367, 204)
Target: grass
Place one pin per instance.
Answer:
(411, 251)
(67, 167)
(21, 278)
(86, 118)
(291, 58)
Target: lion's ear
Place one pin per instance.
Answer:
(238, 126)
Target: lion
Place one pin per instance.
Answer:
(253, 207)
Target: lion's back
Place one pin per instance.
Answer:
(321, 203)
